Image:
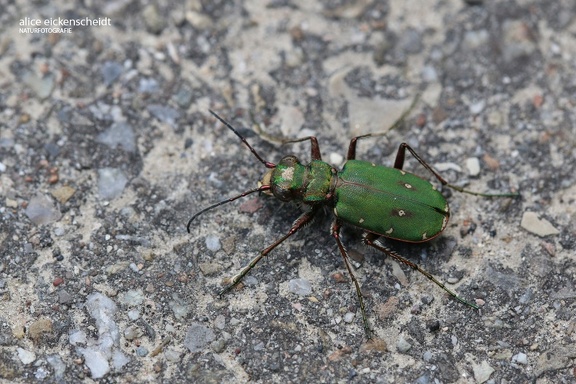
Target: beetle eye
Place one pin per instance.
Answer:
(282, 193)
(289, 161)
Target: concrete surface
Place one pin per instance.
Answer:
(107, 149)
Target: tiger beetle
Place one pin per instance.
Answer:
(381, 201)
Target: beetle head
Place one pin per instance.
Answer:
(286, 180)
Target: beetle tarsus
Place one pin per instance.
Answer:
(302, 221)
(370, 239)
(335, 230)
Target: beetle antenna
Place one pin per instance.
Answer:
(259, 189)
(227, 124)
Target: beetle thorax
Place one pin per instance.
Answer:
(291, 180)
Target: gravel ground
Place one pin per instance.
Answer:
(107, 149)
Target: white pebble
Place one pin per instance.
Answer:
(534, 224)
(213, 243)
(300, 287)
(25, 356)
(520, 358)
(336, 158)
(473, 166)
(349, 317)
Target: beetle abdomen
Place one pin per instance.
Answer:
(389, 202)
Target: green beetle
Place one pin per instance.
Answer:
(382, 201)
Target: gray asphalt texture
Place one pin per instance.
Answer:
(107, 149)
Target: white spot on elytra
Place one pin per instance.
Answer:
(444, 222)
(361, 220)
(408, 186)
(390, 231)
(401, 212)
(424, 236)
(402, 172)
(335, 212)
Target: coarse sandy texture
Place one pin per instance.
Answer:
(107, 149)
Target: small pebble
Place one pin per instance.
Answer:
(197, 337)
(39, 328)
(77, 337)
(443, 167)
(427, 356)
(63, 194)
(119, 134)
(165, 114)
(526, 296)
(259, 346)
(453, 279)
(433, 325)
(300, 287)
(477, 107)
(180, 307)
(251, 206)
(482, 371)
(133, 314)
(209, 269)
(111, 183)
(402, 345)
(220, 322)
(473, 166)
(534, 224)
(119, 359)
(336, 158)
(41, 210)
(492, 163)
(349, 317)
(41, 373)
(147, 85)
(57, 365)
(110, 71)
(132, 332)
(141, 351)
(424, 379)
(218, 345)
(64, 297)
(26, 357)
(250, 281)
(520, 358)
(213, 243)
(339, 278)
(132, 297)
(172, 355)
(550, 248)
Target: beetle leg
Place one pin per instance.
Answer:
(315, 148)
(401, 154)
(335, 230)
(399, 163)
(352, 148)
(304, 219)
(370, 239)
